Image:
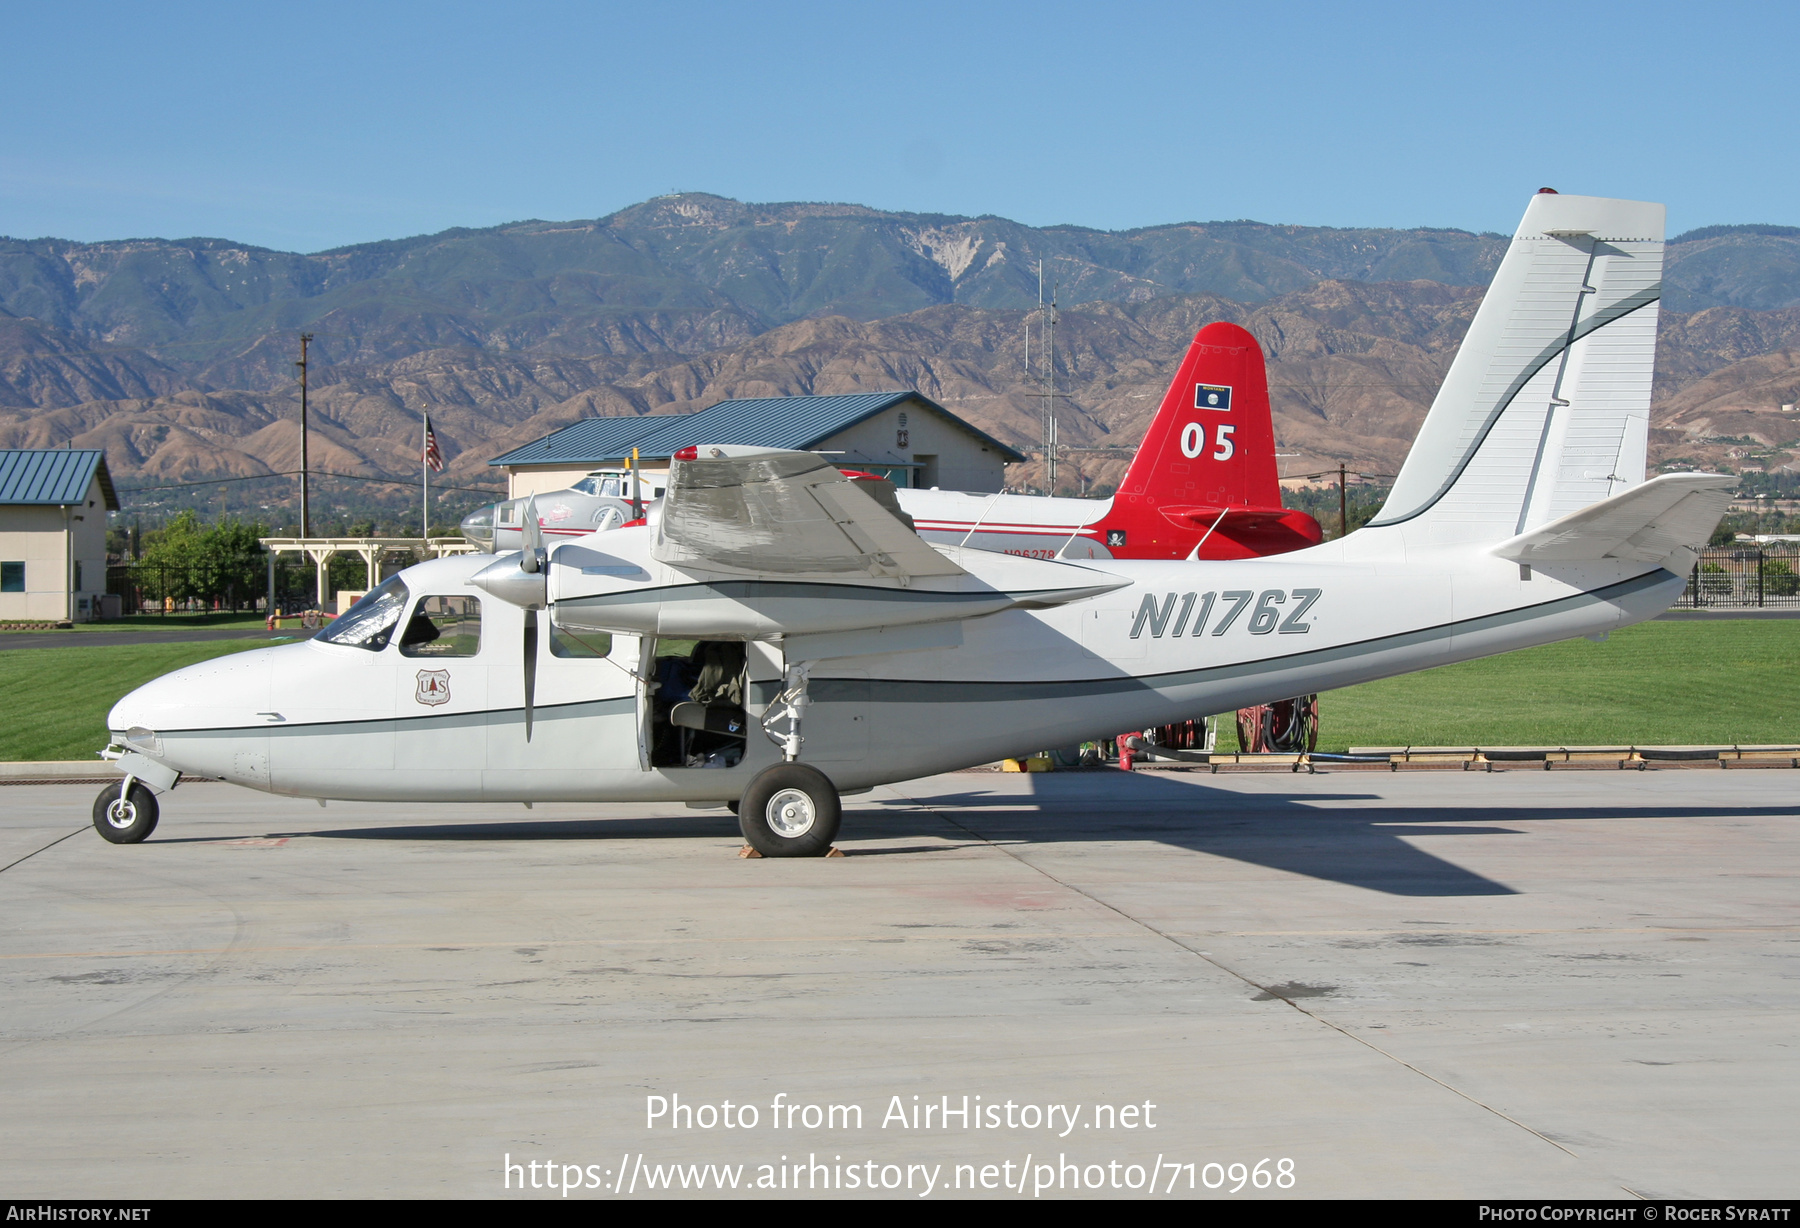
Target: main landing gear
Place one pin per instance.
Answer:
(125, 813)
(790, 810)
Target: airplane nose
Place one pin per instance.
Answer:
(478, 527)
(231, 692)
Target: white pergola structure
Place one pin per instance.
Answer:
(320, 550)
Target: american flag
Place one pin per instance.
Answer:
(433, 457)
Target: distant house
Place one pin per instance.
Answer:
(53, 505)
(903, 436)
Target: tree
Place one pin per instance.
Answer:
(185, 560)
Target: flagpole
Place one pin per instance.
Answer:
(425, 482)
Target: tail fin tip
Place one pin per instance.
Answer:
(1545, 406)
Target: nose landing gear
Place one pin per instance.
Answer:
(125, 813)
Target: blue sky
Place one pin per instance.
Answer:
(311, 126)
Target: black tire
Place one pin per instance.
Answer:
(790, 810)
(129, 820)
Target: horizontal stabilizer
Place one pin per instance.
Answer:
(1225, 517)
(1655, 522)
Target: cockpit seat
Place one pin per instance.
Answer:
(712, 719)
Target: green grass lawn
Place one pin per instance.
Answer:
(56, 699)
(1657, 683)
(1653, 684)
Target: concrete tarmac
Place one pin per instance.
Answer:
(1517, 984)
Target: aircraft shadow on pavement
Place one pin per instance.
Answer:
(1284, 831)
(1362, 847)
(1288, 831)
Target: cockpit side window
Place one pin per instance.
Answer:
(609, 486)
(443, 627)
(586, 486)
(369, 624)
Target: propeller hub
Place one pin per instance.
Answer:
(507, 579)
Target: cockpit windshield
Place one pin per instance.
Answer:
(370, 622)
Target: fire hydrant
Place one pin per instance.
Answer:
(1128, 746)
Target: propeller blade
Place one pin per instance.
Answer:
(531, 656)
(532, 534)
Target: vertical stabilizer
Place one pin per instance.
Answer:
(1212, 441)
(1546, 408)
(1207, 463)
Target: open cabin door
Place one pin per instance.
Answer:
(700, 702)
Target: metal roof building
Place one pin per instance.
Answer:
(901, 435)
(48, 477)
(53, 505)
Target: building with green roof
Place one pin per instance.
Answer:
(899, 435)
(53, 505)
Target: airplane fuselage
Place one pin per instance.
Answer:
(1174, 640)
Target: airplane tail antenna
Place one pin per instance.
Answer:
(1546, 408)
(1212, 442)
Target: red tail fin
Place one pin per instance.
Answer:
(1212, 442)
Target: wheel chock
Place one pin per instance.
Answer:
(747, 851)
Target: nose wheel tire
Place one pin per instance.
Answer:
(790, 810)
(125, 820)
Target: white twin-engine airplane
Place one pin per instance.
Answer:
(773, 596)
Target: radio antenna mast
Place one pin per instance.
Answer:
(1047, 377)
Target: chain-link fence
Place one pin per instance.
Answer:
(1745, 577)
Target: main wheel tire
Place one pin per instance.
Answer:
(125, 820)
(790, 810)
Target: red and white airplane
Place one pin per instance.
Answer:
(1203, 484)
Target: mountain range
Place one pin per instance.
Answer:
(177, 356)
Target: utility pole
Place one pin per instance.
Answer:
(1343, 512)
(305, 506)
(1048, 377)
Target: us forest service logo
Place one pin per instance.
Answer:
(434, 687)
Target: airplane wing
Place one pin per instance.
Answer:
(1649, 523)
(766, 510)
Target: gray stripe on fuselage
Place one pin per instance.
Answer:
(443, 720)
(917, 691)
